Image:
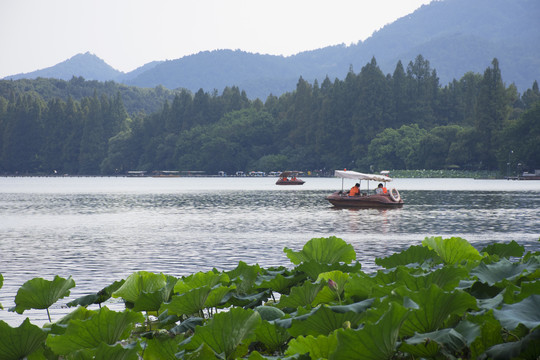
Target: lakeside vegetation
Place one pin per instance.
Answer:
(368, 122)
(441, 299)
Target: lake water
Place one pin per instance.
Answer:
(102, 229)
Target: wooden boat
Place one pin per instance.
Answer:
(366, 198)
(289, 178)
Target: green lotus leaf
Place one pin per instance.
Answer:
(97, 298)
(525, 348)
(319, 347)
(244, 277)
(328, 295)
(325, 319)
(524, 312)
(313, 268)
(203, 352)
(20, 342)
(453, 250)
(447, 278)
(188, 324)
(300, 296)
(59, 327)
(375, 340)
(105, 326)
(200, 279)
(138, 283)
(416, 254)
(511, 249)
(118, 352)
(329, 250)
(428, 345)
(277, 283)
(269, 313)
(490, 332)
(39, 293)
(187, 303)
(273, 336)
(434, 307)
(503, 269)
(226, 331)
(360, 286)
(245, 301)
(161, 348)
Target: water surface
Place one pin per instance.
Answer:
(99, 230)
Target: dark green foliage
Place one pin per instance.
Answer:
(447, 301)
(368, 121)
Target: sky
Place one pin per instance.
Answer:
(126, 34)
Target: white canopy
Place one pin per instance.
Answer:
(360, 176)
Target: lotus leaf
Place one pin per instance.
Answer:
(226, 331)
(434, 307)
(246, 301)
(503, 270)
(318, 347)
(447, 278)
(138, 283)
(187, 303)
(329, 250)
(188, 324)
(105, 326)
(313, 268)
(525, 312)
(360, 286)
(200, 279)
(428, 345)
(415, 254)
(273, 336)
(20, 342)
(99, 297)
(511, 249)
(453, 250)
(526, 348)
(375, 340)
(244, 276)
(39, 293)
(161, 348)
(300, 296)
(278, 283)
(325, 319)
(118, 352)
(269, 313)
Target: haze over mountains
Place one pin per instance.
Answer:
(455, 36)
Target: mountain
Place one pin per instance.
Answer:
(86, 65)
(455, 36)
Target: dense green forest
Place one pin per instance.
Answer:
(368, 121)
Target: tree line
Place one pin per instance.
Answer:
(368, 121)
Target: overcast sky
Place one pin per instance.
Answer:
(36, 34)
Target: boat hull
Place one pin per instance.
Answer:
(340, 199)
(290, 182)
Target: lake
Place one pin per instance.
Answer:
(102, 229)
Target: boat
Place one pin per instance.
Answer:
(289, 178)
(366, 198)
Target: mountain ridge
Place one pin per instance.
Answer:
(455, 36)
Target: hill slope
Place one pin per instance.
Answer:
(455, 36)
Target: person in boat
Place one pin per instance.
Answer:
(381, 189)
(285, 178)
(355, 190)
(293, 178)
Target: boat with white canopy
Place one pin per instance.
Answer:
(378, 197)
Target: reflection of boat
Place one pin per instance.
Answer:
(284, 178)
(366, 199)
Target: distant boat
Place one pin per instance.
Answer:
(391, 198)
(289, 178)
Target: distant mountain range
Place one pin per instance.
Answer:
(455, 36)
